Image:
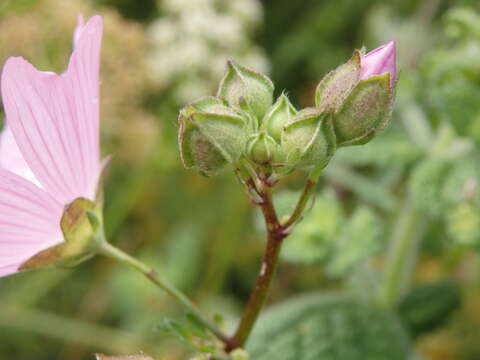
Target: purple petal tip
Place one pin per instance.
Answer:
(380, 61)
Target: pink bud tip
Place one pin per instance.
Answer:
(380, 61)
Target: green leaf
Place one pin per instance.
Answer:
(359, 240)
(179, 329)
(463, 224)
(427, 307)
(392, 148)
(370, 191)
(123, 357)
(425, 184)
(461, 183)
(196, 326)
(181, 256)
(312, 240)
(328, 327)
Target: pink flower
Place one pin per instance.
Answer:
(49, 148)
(380, 61)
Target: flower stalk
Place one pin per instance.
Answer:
(302, 203)
(150, 273)
(275, 235)
(276, 232)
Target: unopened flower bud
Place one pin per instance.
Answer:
(380, 61)
(211, 135)
(359, 94)
(262, 149)
(246, 89)
(364, 112)
(308, 140)
(82, 229)
(209, 104)
(281, 113)
(337, 84)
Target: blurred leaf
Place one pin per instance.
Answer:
(327, 326)
(63, 328)
(452, 74)
(463, 224)
(145, 10)
(365, 283)
(123, 357)
(365, 188)
(462, 22)
(391, 148)
(425, 185)
(359, 240)
(412, 33)
(7, 7)
(462, 181)
(193, 333)
(428, 306)
(140, 304)
(182, 256)
(312, 239)
(181, 330)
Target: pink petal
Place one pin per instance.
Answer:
(12, 159)
(78, 30)
(29, 221)
(55, 118)
(379, 61)
(8, 270)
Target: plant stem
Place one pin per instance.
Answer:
(275, 235)
(276, 232)
(407, 236)
(297, 213)
(117, 254)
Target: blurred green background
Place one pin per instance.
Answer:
(202, 233)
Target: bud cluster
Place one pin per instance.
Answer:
(352, 104)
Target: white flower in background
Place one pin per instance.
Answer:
(193, 39)
(183, 6)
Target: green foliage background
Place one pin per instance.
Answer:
(204, 235)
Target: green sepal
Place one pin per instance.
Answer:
(365, 112)
(246, 89)
(210, 104)
(262, 149)
(211, 135)
(202, 135)
(281, 113)
(336, 85)
(309, 140)
(82, 230)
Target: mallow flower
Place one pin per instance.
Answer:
(359, 95)
(49, 155)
